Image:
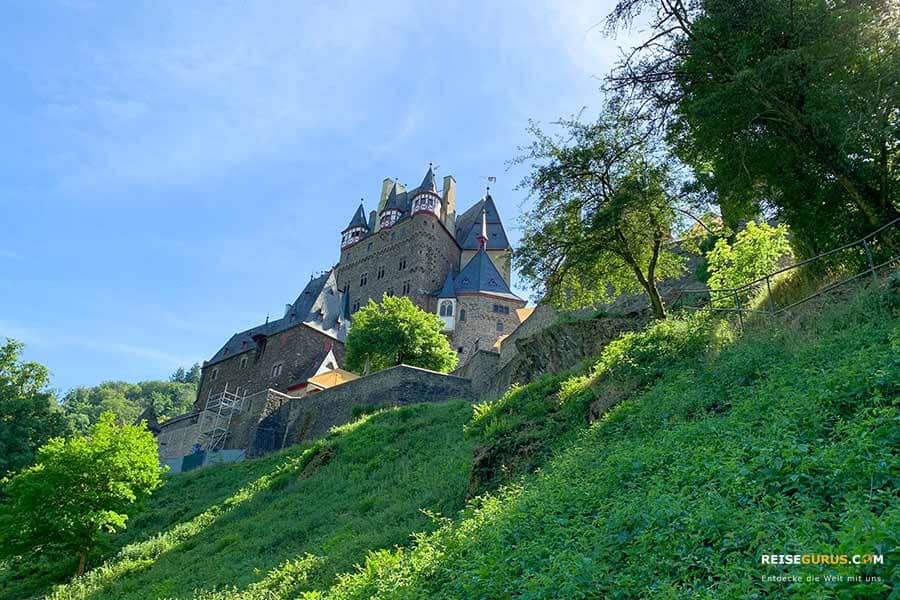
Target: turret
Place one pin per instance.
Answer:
(392, 210)
(357, 229)
(427, 199)
(446, 306)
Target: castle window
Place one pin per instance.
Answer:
(500, 309)
(462, 314)
(215, 373)
(459, 350)
(446, 309)
(243, 361)
(355, 306)
(363, 279)
(402, 264)
(370, 247)
(380, 272)
(390, 292)
(499, 326)
(406, 287)
(276, 369)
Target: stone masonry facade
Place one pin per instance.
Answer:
(415, 244)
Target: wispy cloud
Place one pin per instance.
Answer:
(216, 88)
(49, 339)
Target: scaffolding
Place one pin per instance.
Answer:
(216, 418)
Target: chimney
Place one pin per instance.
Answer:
(372, 216)
(448, 206)
(287, 309)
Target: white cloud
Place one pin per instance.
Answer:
(220, 84)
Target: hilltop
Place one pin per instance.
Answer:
(664, 467)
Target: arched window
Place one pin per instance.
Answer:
(446, 308)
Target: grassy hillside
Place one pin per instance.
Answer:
(664, 469)
(311, 511)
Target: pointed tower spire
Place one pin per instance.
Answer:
(428, 183)
(483, 238)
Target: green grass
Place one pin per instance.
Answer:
(317, 508)
(663, 469)
(784, 441)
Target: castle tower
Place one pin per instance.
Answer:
(483, 219)
(409, 252)
(426, 198)
(357, 229)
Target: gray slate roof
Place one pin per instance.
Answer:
(468, 227)
(318, 306)
(428, 183)
(481, 276)
(359, 219)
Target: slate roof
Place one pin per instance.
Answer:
(318, 306)
(468, 227)
(481, 276)
(428, 183)
(448, 290)
(393, 200)
(359, 219)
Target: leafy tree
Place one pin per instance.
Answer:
(756, 251)
(29, 415)
(394, 332)
(84, 405)
(790, 105)
(182, 375)
(79, 488)
(604, 212)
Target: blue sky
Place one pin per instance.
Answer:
(171, 172)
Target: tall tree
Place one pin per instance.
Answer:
(786, 103)
(79, 488)
(29, 415)
(394, 332)
(605, 207)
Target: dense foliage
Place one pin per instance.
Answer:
(604, 210)
(784, 105)
(79, 488)
(29, 415)
(707, 449)
(394, 332)
(84, 405)
(284, 523)
(756, 251)
(784, 441)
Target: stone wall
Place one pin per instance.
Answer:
(481, 323)
(553, 349)
(249, 371)
(425, 245)
(481, 370)
(313, 416)
(177, 436)
(251, 429)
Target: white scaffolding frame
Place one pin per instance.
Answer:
(216, 417)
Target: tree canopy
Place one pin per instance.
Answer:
(396, 331)
(79, 488)
(29, 414)
(605, 206)
(784, 105)
(84, 405)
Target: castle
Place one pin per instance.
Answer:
(415, 245)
